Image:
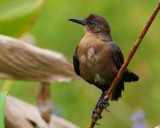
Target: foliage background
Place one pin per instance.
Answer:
(75, 101)
(2, 108)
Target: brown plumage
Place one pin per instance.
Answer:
(97, 58)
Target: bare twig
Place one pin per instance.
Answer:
(125, 64)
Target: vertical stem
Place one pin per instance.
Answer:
(44, 101)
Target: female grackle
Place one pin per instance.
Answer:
(97, 58)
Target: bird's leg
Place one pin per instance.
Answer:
(95, 108)
(99, 103)
(105, 103)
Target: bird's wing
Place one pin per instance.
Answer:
(128, 76)
(118, 59)
(118, 56)
(76, 62)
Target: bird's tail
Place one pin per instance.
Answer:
(117, 91)
(129, 76)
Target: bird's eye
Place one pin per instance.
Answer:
(90, 23)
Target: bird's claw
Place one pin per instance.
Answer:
(105, 105)
(106, 109)
(95, 122)
(99, 117)
(100, 103)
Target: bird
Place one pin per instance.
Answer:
(97, 58)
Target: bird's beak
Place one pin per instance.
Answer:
(78, 20)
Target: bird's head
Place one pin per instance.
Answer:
(93, 24)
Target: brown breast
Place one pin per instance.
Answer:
(95, 58)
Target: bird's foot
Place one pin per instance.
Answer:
(105, 105)
(96, 114)
(95, 122)
(101, 103)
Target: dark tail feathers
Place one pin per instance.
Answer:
(117, 91)
(129, 76)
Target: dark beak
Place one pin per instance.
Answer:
(78, 20)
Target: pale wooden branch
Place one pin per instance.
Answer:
(44, 101)
(22, 61)
(20, 114)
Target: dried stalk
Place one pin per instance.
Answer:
(125, 64)
(44, 101)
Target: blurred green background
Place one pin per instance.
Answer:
(47, 22)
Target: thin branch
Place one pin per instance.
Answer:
(125, 64)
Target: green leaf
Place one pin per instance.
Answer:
(2, 109)
(17, 16)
